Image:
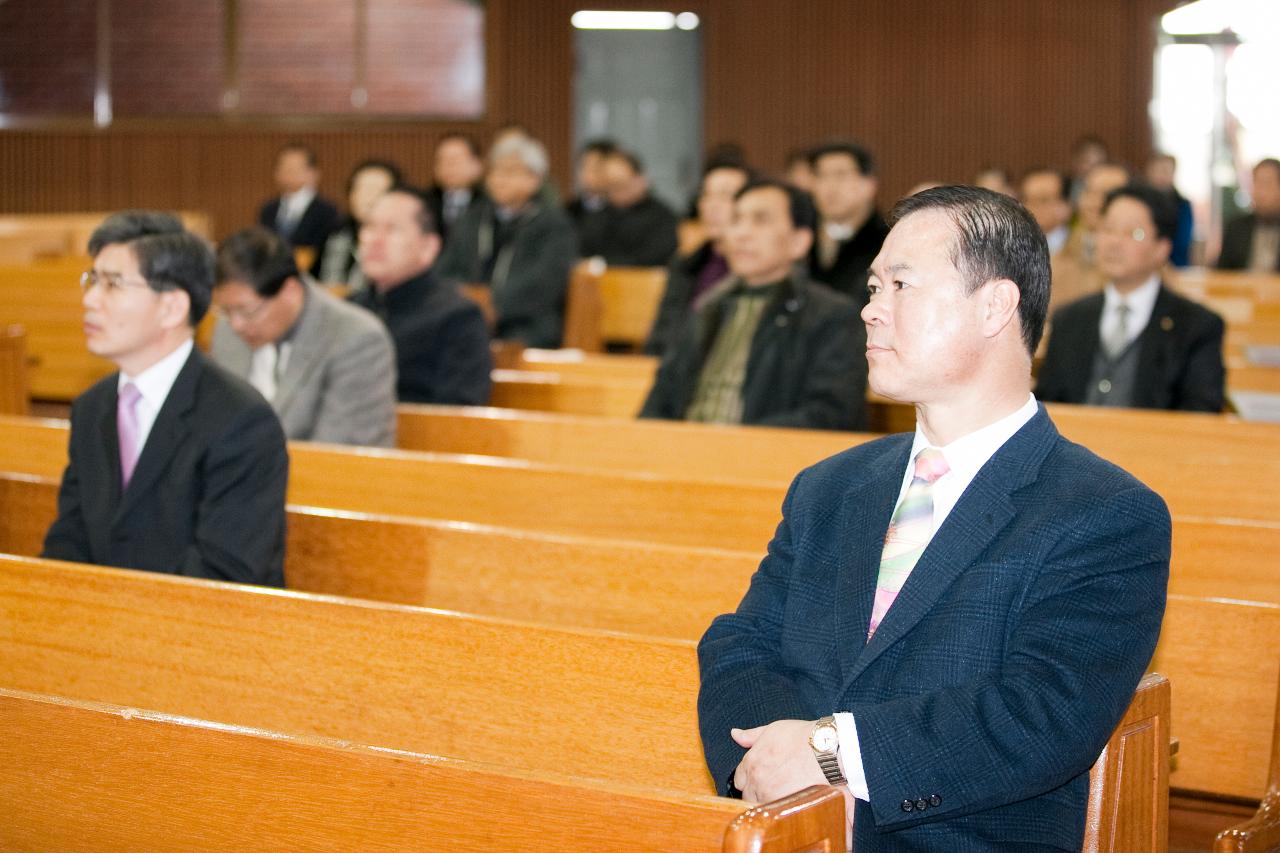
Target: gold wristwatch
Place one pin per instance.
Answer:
(826, 748)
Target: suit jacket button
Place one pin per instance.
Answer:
(935, 800)
(921, 805)
(908, 806)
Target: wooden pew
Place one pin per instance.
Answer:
(638, 507)
(13, 370)
(657, 590)
(101, 635)
(1261, 833)
(150, 781)
(613, 305)
(546, 391)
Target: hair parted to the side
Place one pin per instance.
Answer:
(257, 257)
(169, 257)
(995, 238)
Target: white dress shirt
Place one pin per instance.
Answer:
(292, 206)
(1141, 302)
(965, 457)
(1057, 238)
(154, 385)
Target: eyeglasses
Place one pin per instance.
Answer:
(112, 282)
(1137, 235)
(244, 315)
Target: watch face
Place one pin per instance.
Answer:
(825, 739)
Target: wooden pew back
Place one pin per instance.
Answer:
(1261, 833)
(13, 370)
(141, 780)
(1129, 783)
(488, 690)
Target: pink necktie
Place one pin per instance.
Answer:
(909, 533)
(128, 431)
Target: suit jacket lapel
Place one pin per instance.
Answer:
(1088, 345)
(309, 338)
(1153, 346)
(983, 511)
(166, 435)
(866, 509)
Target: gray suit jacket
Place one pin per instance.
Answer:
(339, 381)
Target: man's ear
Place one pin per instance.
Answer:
(175, 308)
(801, 242)
(1002, 300)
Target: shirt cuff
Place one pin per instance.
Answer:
(851, 755)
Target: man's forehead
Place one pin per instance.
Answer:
(915, 239)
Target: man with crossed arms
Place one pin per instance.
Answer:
(958, 675)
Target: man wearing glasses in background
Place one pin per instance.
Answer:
(174, 465)
(326, 366)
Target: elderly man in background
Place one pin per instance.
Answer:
(520, 247)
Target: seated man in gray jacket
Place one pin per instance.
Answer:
(520, 247)
(767, 346)
(326, 366)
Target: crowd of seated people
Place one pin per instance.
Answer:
(492, 221)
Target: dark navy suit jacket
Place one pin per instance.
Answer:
(997, 676)
(207, 498)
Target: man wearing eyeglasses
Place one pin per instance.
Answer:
(327, 366)
(175, 466)
(1137, 343)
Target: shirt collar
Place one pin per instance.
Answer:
(1141, 301)
(155, 382)
(299, 200)
(967, 454)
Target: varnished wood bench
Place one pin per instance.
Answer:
(150, 781)
(615, 305)
(413, 680)
(1261, 833)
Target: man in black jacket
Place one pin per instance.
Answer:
(1137, 343)
(299, 214)
(769, 346)
(634, 229)
(442, 342)
(1252, 241)
(850, 230)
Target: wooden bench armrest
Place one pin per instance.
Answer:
(809, 820)
(1258, 834)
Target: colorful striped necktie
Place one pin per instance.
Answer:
(909, 533)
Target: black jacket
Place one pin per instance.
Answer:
(318, 221)
(643, 235)
(529, 275)
(807, 368)
(207, 497)
(435, 200)
(848, 273)
(1179, 360)
(1237, 243)
(442, 343)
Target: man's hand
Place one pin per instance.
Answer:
(779, 760)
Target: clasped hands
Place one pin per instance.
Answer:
(779, 762)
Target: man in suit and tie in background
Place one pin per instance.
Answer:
(299, 214)
(174, 465)
(1137, 343)
(947, 625)
(457, 167)
(326, 366)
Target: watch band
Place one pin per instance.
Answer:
(829, 762)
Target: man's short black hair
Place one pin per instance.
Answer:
(600, 145)
(799, 204)
(307, 151)
(1064, 184)
(1163, 212)
(995, 238)
(424, 217)
(169, 257)
(473, 145)
(381, 165)
(740, 168)
(257, 257)
(630, 158)
(859, 154)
